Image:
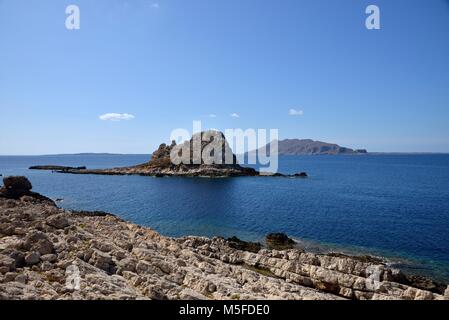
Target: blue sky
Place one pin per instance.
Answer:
(178, 61)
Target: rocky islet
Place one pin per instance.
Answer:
(161, 164)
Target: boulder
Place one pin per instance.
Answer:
(102, 261)
(6, 229)
(18, 257)
(17, 183)
(32, 258)
(279, 241)
(18, 187)
(49, 258)
(39, 242)
(58, 221)
(7, 264)
(21, 278)
(127, 264)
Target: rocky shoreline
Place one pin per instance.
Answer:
(41, 247)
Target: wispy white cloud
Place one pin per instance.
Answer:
(155, 5)
(294, 112)
(116, 116)
(235, 115)
(212, 115)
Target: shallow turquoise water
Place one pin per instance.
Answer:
(393, 205)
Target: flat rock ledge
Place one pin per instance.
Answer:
(207, 171)
(43, 246)
(56, 168)
(204, 171)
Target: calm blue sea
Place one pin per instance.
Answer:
(391, 205)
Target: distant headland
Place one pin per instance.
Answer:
(295, 147)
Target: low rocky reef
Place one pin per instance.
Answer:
(56, 168)
(50, 253)
(161, 164)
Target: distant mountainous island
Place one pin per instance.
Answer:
(295, 147)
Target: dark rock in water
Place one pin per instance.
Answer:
(17, 183)
(281, 175)
(279, 241)
(159, 175)
(92, 213)
(272, 174)
(16, 187)
(301, 175)
(238, 244)
(51, 167)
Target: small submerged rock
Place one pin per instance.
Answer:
(281, 175)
